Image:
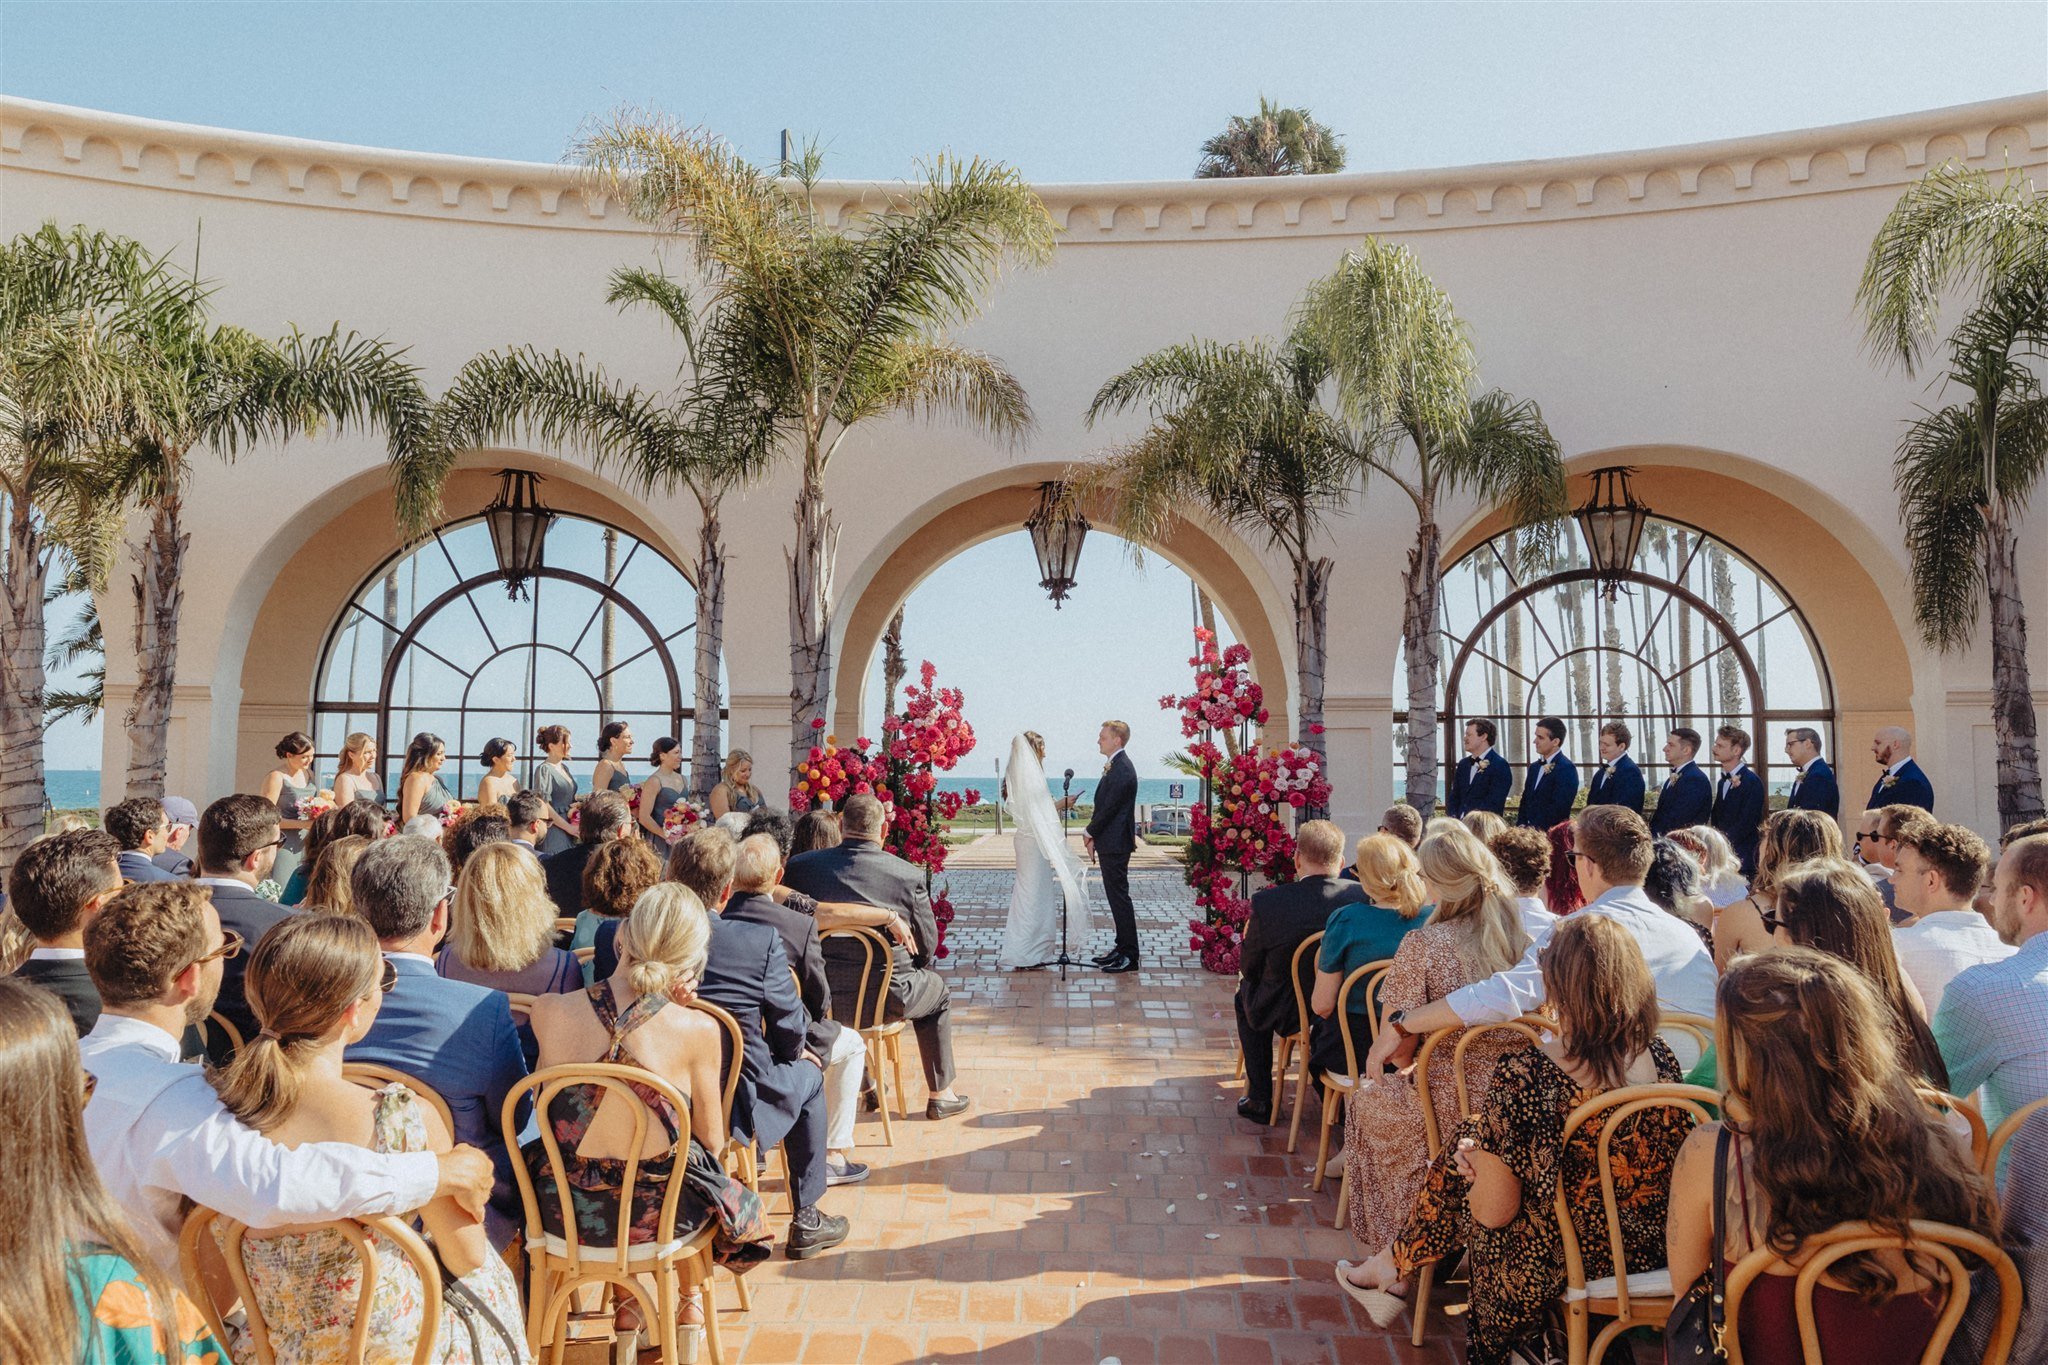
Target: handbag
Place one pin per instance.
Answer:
(1694, 1332)
(476, 1318)
(742, 1239)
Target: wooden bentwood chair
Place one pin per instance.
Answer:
(2006, 1132)
(377, 1074)
(1337, 1088)
(1293, 1047)
(884, 1037)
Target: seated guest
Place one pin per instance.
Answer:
(860, 870)
(527, 814)
(2023, 1228)
(614, 877)
(1365, 920)
(1739, 796)
(238, 840)
(184, 818)
(479, 826)
(1482, 779)
(81, 1285)
(625, 1019)
(815, 829)
(757, 870)
(158, 1132)
(1902, 783)
(1989, 1024)
(56, 887)
(1893, 824)
(1493, 1187)
(1722, 878)
(1686, 797)
(315, 984)
(1673, 882)
(356, 820)
(455, 1037)
(1940, 869)
(602, 816)
(1863, 851)
(1561, 890)
(829, 914)
(1617, 781)
(1613, 852)
(1474, 931)
(501, 933)
(142, 829)
(1282, 919)
(1813, 781)
(1400, 820)
(1831, 1133)
(327, 889)
(1791, 839)
(1552, 784)
(1483, 823)
(1524, 857)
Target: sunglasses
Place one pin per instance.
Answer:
(1773, 918)
(92, 1083)
(230, 946)
(389, 980)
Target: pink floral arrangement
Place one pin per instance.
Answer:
(316, 805)
(450, 815)
(680, 819)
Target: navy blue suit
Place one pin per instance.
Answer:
(1816, 789)
(1739, 813)
(1619, 783)
(136, 866)
(1909, 787)
(1547, 798)
(1686, 798)
(251, 916)
(1488, 790)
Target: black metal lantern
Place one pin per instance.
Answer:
(1057, 531)
(519, 527)
(1611, 520)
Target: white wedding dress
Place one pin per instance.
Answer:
(1048, 873)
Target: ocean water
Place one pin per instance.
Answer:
(72, 788)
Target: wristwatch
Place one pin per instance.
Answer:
(1394, 1023)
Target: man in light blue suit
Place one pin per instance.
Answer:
(1553, 781)
(452, 1036)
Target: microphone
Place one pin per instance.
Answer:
(1067, 781)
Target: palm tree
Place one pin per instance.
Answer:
(1963, 473)
(1404, 372)
(1274, 141)
(84, 643)
(823, 327)
(1237, 430)
(657, 443)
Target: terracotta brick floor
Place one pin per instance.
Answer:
(1062, 1219)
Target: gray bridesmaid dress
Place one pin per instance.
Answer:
(556, 786)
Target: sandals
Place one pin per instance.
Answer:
(1381, 1305)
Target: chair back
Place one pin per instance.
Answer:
(565, 924)
(521, 1003)
(1936, 1242)
(1697, 1029)
(1952, 1107)
(2006, 1132)
(1374, 975)
(1617, 1107)
(734, 1052)
(376, 1073)
(616, 1081)
(1296, 971)
(233, 1238)
(228, 1031)
(874, 958)
(1459, 1038)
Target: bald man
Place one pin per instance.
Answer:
(1902, 784)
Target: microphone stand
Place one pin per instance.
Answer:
(1066, 792)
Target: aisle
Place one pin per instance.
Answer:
(1063, 1220)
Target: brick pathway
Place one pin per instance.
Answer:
(1062, 1219)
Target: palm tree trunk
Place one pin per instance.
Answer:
(1727, 675)
(1421, 583)
(2012, 694)
(23, 575)
(894, 667)
(1311, 648)
(608, 629)
(810, 618)
(159, 599)
(705, 731)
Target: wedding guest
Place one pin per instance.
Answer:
(1893, 824)
(735, 790)
(614, 742)
(815, 829)
(613, 881)
(1282, 919)
(1618, 781)
(2023, 1228)
(420, 790)
(1739, 797)
(142, 829)
(56, 887)
(80, 1286)
(603, 817)
(1902, 783)
(1864, 849)
(478, 827)
(1940, 869)
(290, 786)
(502, 927)
(357, 819)
(526, 812)
(1993, 1020)
(663, 788)
(1561, 891)
(497, 784)
(1813, 781)
(1552, 784)
(1482, 779)
(1483, 824)
(1524, 857)
(353, 780)
(1791, 839)
(184, 818)
(327, 890)
(455, 1037)
(1831, 1133)
(1722, 879)
(1673, 882)
(1404, 822)
(1686, 796)
(1363, 920)
(556, 785)
(238, 839)
(734, 823)
(317, 984)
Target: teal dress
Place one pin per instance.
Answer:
(1355, 935)
(117, 1317)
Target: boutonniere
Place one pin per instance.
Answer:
(1890, 780)
(1550, 767)
(1105, 769)
(1478, 765)
(1734, 781)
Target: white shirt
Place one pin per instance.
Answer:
(1536, 916)
(1932, 950)
(1676, 954)
(157, 1131)
(58, 955)
(1893, 771)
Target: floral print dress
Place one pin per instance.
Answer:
(308, 1283)
(117, 1317)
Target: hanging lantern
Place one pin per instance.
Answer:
(519, 528)
(1057, 531)
(1611, 521)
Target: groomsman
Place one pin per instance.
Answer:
(1483, 780)
(1738, 795)
(1813, 784)
(1553, 782)
(1903, 784)
(1618, 781)
(1686, 798)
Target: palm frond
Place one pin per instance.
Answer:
(637, 286)
(1938, 473)
(1396, 348)
(1506, 454)
(930, 379)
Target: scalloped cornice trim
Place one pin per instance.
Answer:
(55, 139)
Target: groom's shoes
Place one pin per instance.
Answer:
(1120, 963)
(1104, 959)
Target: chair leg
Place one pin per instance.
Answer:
(788, 1179)
(667, 1308)
(1239, 1075)
(881, 1089)
(1418, 1298)
(746, 1296)
(713, 1347)
(1323, 1142)
(1281, 1056)
(1300, 1084)
(1343, 1198)
(896, 1064)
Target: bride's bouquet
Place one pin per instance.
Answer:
(680, 819)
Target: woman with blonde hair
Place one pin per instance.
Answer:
(501, 930)
(327, 889)
(735, 790)
(1720, 870)
(1483, 823)
(352, 779)
(1790, 839)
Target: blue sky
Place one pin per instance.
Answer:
(1065, 91)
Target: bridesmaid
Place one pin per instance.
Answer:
(557, 786)
(662, 789)
(419, 785)
(290, 785)
(736, 791)
(498, 784)
(352, 778)
(614, 742)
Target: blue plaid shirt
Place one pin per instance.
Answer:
(1992, 1028)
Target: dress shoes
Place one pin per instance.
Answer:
(945, 1109)
(1120, 963)
(811, 1232)
(1104, 959)
(1256, 1111)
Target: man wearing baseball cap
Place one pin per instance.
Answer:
(183, 816)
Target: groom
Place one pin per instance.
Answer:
(1112, 834)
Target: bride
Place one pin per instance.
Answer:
(1048, 873)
